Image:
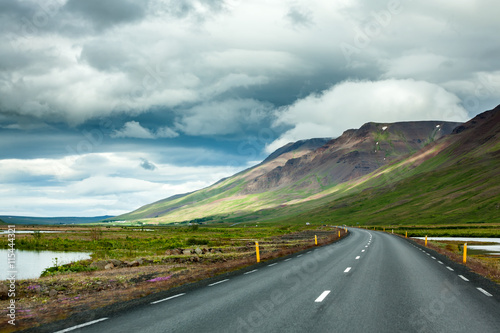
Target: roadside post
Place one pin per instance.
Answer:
(257, 251)
(406, 234)
(315, 240)
(425, 240)
(465, 253)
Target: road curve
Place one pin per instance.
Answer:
(370, 281)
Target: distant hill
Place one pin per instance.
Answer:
(2, 222)
(50, 220)
(298, 173)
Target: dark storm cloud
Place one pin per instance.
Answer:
(104, 14)
(146, 165)
(300, 17)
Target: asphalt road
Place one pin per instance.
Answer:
(370, 281)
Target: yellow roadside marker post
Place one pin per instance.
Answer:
(257, 251)
(425, 240)
(465, 253)
(315, 240)
(406, 234)
(339, 233)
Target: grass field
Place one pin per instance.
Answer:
(164, 257)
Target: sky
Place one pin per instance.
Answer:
(109, 105)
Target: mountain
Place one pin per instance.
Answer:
(297, 173)
(226, 187)
(354, 154)
(452, 180)
(50, 220)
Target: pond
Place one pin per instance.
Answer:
(490, 249)
(4, 232)
(30, 264)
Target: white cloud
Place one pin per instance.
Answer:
(352, 103)
(166, 132)
(133, 129)
(96, 184)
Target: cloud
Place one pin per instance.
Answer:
(146, 165)
(300, 17)
(97, 184)
(352, 103)
(166, 132)
(222, 118)
(133, 129)
(104, 14)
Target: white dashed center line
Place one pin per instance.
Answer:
(166, 299)
(213, 284)
(464, 278)
(362, 250)
(357, 257)
(272, 264)
(440, 262)
(300, 255)
(255, 270)
(451, 269)
(322, 296)
(288, 259)
(347, 269)
(484, 292)
(81, 325)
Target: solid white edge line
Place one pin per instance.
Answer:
(451, 269)
(464, 278)
(347, 269)
(484, 292)
(166, 299)
(322, 296)
(255, 270)
(272, 264)
(80, 326)
(213, 284)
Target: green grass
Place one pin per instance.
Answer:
(130, 242)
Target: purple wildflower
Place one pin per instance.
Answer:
(161, 278)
